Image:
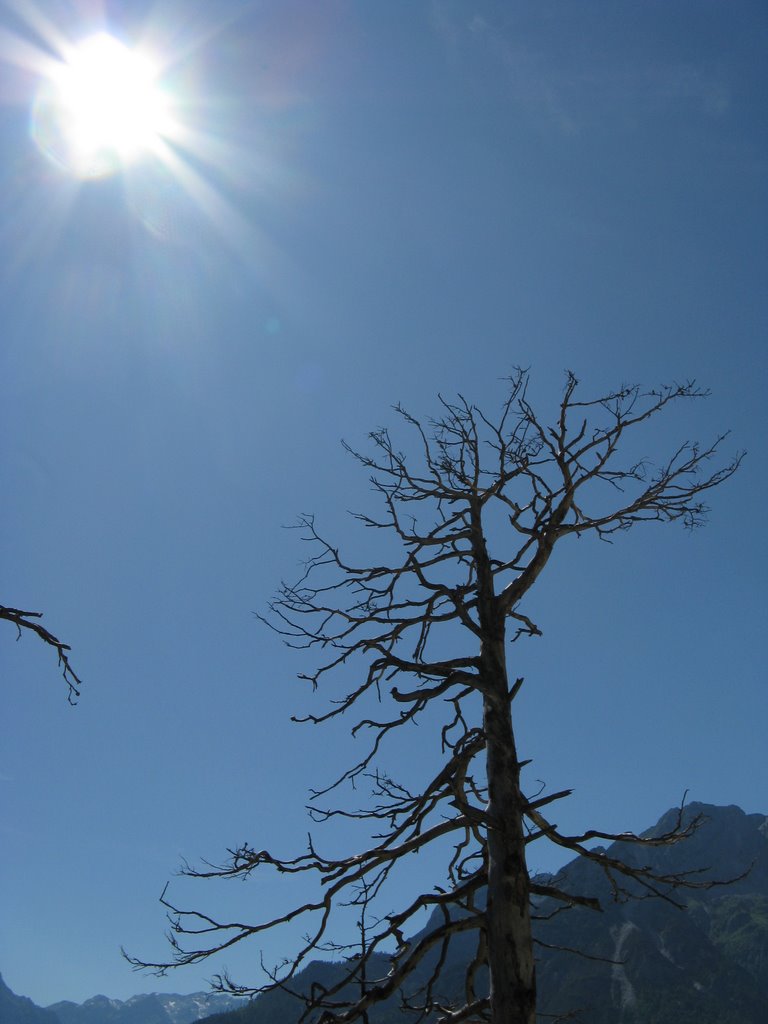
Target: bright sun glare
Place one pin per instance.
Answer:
(102, 109)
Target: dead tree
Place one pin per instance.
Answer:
(29, 621)
(477, 514)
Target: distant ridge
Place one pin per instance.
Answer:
(155, 1008)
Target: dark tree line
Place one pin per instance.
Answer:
(477, 512)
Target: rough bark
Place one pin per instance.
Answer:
(510, 944)
(508, 915)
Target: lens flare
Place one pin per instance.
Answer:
(101, 109)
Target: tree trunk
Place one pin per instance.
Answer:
(510, 944)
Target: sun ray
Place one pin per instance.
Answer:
(18, 52)
(30, 14)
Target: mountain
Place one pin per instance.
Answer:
(145, 1009)
(706, 964)
(20, 1010)
(156, 1008)
(642, 961)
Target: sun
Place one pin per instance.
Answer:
(138, 111)
(101, 109)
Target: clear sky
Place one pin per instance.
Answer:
(360, 203)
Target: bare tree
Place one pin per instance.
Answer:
(476, 514)
(29, 621)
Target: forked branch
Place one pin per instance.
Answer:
(29, 621)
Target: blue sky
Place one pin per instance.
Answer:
(375, 202)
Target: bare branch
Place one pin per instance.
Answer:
(27, 620)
